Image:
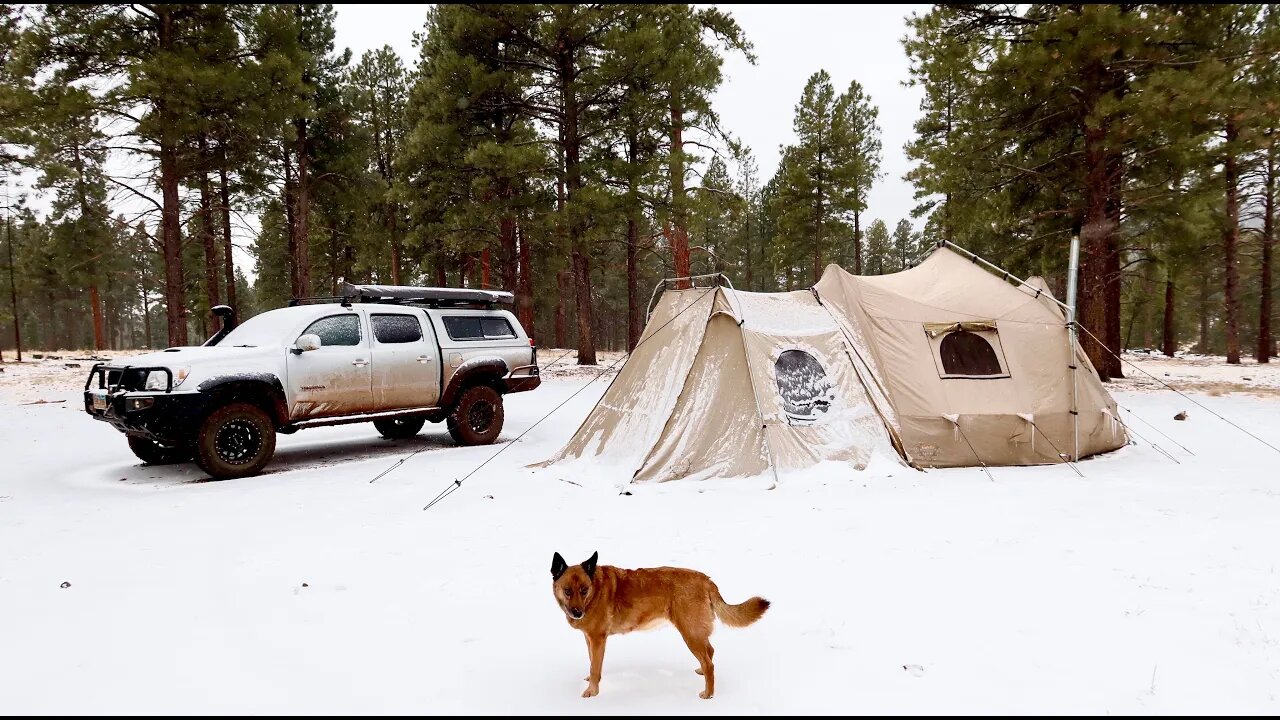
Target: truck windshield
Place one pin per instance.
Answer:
(268, 328)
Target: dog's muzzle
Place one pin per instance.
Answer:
(575, 614)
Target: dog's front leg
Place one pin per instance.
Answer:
(595, 648)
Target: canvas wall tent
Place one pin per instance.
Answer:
(944, 364)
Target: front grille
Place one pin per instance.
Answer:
(117, 378)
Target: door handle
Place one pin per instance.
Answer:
(359, 363)
(424, 358)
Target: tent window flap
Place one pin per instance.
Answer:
(803, 386)
(968, 349)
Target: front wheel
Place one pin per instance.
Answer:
(236, 440)
(399, 428)
(477, 418)
(153, 453)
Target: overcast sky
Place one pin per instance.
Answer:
(757, 102)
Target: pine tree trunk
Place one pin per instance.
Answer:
(579, 251)
(1095, 241)
(291, 251)
(1204, 312)
(635, 324)
(1169, 344)
(393, 228)
(524, 284)
(1265, 342)
(484, 268)
(507, 235)
(857, 243)
(99, 330)
(175, 292)
(228, 263)
(146, 316)
(1231, 245)
(1115, 178)
(209, 241)
(302, 213)
(678, 230)
(563, 288)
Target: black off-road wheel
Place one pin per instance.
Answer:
(399, 428)
(236, 440)
(153, 453)
(477, 418)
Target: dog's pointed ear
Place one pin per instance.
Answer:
(590, 565)
(558, 566)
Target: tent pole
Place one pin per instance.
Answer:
(1073, 273)
(1006, 274)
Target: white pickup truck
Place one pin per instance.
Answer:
(394, 356)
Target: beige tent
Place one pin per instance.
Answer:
(944, 364)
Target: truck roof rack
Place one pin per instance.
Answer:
(407, 295)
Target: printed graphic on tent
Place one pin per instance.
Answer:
(944, 364)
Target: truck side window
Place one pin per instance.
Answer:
(471, 327)
(390, 329)
(336, 330)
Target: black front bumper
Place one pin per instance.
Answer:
(164, 416)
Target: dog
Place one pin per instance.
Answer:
(604, 600)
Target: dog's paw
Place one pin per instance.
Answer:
(591, 691)
(704, 695)
(698, 670)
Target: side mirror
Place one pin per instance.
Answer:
(305, 343)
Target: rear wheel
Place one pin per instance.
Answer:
(399, 428)
(477, 418)
(236, 440)
(153, 453)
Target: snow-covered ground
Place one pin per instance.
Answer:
(1148, 586)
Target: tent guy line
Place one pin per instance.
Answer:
(457, 483)
(411, 455)
(1187, 397)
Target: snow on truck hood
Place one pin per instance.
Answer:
(200, 355)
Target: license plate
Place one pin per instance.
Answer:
(100, 400)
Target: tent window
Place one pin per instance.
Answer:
(803, 386)
(968, 354)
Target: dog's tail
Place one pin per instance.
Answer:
(740, 615)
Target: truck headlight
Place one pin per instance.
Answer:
(157, 380)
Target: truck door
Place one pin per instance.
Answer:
(406, 359)
(333, 379)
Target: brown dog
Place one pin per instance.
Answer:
(605, 600)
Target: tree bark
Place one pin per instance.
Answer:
(1231, 244)
(1115, 179)
(635, 324)
(175, 293)
(485, 261)
(563, 287)
(1095, 241)
(678, 228)
(1169, 341)
(289, 191)
(579, 251)
(1204, 313)
(1266, 344)
(510, 264)
(857, 243)
(228, 264)
(302, 212)
(524, 284)
(208, 239)
(99, 329)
